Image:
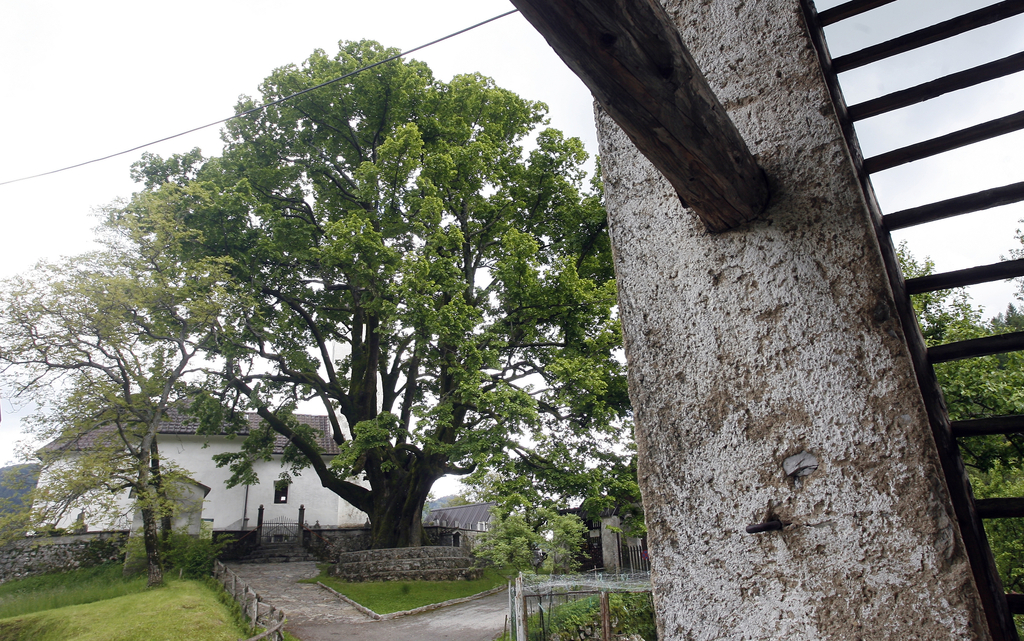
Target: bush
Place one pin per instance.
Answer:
(192, 556)
(630, 613)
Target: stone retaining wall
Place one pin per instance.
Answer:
(39, 555)
(329, 544)
(406, 564)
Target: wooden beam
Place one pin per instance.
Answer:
(1011, 508)
(631, 57)
(1015, 603)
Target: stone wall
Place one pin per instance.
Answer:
(445, 537)
(752, 350)
(328, 544)
(40, 555)
(406, 564)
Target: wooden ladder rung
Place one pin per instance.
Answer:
(1015, 603)
(978, 201)
(964, 277)
(928, 35)
(986, 346)
(1009, 424)
(1009, 508)
(849, 10)
(935, 88)
(955, 140)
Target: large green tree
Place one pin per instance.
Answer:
(445, 296)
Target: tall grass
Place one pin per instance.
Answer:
(49, 591)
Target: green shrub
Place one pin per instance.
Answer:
(192, 556)
(630, 613)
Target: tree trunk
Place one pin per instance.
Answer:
(396, 518)
(158, 482)
(150, 537)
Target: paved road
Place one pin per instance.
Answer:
(314, 614)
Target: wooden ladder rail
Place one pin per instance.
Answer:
(998, 607)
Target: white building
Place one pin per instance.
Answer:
(236, 508)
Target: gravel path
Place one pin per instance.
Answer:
(314, 614)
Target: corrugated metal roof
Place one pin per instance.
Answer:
(464, 517)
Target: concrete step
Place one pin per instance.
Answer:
(278, 553)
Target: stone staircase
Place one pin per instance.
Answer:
(278, 553)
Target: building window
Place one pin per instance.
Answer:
(280, 492)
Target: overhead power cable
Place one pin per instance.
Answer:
(264, 106)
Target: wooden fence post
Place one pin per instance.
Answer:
(606, 623)
(259, 526)
(520, 609)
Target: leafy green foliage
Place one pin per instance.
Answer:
(509, 543)
(397, 256)
(519, 542)
(104, 344)
(562, 538)
(193, 556)
(629, 613)
(15, 483)
(975, 387)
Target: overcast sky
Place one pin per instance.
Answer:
(83, 80)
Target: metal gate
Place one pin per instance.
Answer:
(279, 530)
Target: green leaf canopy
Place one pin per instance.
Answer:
(445, 295)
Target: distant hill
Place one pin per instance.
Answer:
(439, 502)
(15, 481)
(449, 500)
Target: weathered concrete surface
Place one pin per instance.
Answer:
(749, 347)
(302, 603)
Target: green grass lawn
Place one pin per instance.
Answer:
(49, 591)
(98, 604)
(180, 610)
(384, 597)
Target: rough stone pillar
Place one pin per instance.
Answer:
(774, 340)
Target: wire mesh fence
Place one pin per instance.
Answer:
(582, 607)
